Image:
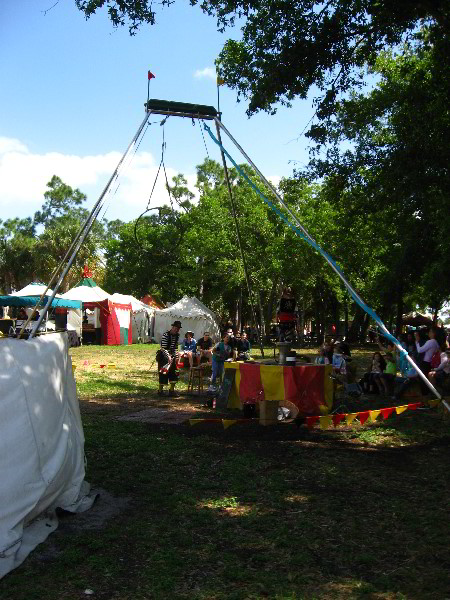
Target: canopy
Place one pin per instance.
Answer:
(415, 319)
(194, 316)
(33, 289)
(86, 291)
(30, 301)
(136, 305)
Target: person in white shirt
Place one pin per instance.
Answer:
(425, 353)
(442, 372)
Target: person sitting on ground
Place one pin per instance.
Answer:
(167, 357)
(221, 352)
(243, 347)
(385, 381)
(369, 382)
(328, 347)
(204, 346)
(189, 348)
(441, 373)
(410, 378)
(321, 358)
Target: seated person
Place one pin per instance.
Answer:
(411, 377)
(440, 374)
(188, 348)
(22, 316)
(204, 346)
(243, 347)
(386, 380)
(339, 365)
(322, 358)
(370, 382)
(232, 341)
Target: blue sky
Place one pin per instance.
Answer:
(73, 94)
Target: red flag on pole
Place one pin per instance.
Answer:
(150, 75)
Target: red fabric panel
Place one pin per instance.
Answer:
(250, 387)
(311, 421)
(304, 386)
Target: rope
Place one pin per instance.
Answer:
(310, 241)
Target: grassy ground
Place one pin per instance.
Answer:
(249, 512)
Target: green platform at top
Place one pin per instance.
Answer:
(181, 107)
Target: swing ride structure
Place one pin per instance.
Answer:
(205, 114)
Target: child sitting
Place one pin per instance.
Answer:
(386, 379)
(322, 358)
(339, 365)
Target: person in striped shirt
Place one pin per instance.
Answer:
(167, 359)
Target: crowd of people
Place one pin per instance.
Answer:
(169, 358)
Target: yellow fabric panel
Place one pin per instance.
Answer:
(233, 398)
(272, 379)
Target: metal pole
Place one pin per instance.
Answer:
(219, 124)
(82, 234)
(233, 210)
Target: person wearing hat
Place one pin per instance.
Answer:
(189, 347)
(166, 358)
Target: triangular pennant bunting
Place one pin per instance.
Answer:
(350, 418)
(373, 415)
(400, 409)
(386, 412)
(363, 416)
(311, 421)
(414, 406)
(337, 419)
(228, 422)
(325, 422)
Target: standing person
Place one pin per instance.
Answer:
(221, 352)
(204, 346)
(167, 359)
(243, 348)
(441, 373)
(232, 342)
(189, 347)
(426, 353)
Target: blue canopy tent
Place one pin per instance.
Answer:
(30, 301)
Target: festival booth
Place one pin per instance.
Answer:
(109, 323)
(141, 317)
(41, 444)
(308, 386)
(28, 297)
(194, 316)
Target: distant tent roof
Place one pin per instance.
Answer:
(86, 291)
(150, 301)
(136, 305)
(87, 281)
(415, 319)
(33, 289)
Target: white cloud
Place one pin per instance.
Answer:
(24, 177)
(209, 72)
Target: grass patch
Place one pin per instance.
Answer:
(249, 512)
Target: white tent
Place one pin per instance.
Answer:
(34, 289)
(41, 444)
(141, 316)
(86, 293)
(194, 316)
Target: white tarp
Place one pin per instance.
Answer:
(85, 293)
(194, 316)
(41, 444)
(141, 316)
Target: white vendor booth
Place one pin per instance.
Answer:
(194, 316)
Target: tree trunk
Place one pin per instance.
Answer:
(346, 319)
(358, 320)
(400, 309)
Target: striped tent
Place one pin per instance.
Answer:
(309, 387)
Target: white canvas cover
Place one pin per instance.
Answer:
(85, 293)
(194, 316)
(33, 289)
(141, 316)
(41, 444)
